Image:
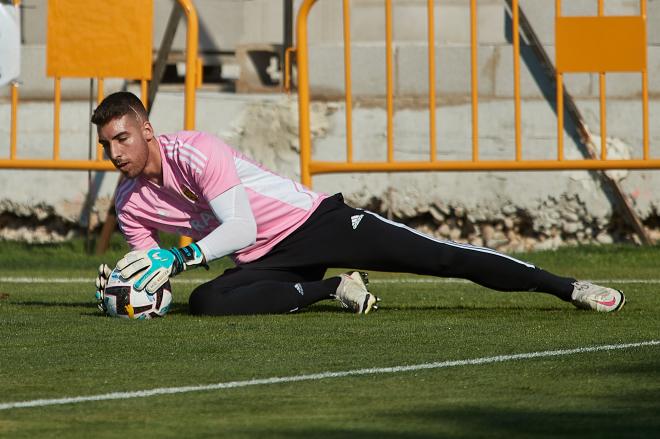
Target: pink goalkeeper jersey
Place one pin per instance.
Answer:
(197, 167)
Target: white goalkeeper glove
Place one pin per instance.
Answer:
(150, 269)
(101, 282)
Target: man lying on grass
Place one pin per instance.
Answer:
(282, 236)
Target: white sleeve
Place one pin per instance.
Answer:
(237, 228)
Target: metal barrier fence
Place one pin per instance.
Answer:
(613, 44)
(193, 75)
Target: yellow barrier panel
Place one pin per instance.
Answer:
(100, 94)
(112, 39)
(433, 144)
(14, 121)
(390, 80)
(14, 111)
(601, 44)
(192, 41)
(87, 49)
(516, 78)
(594, 44)
(474, 76)
(347, 81)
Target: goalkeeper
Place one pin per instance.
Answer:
(282, 236)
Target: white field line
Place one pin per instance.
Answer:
(196, 281)
(320, 376)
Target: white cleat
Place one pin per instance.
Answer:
(353, 294)
(590, 296)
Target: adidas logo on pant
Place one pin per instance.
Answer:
(355, 220)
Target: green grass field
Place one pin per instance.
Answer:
(54, 344)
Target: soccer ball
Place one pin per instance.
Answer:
(122, 300)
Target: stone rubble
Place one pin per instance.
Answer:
(555, 222)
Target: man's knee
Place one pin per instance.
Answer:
(199, 300)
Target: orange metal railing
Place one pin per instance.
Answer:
(624, 50)
(192, 80)
(14, 106)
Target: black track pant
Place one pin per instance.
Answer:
(290, 276)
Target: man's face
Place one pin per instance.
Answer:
(125, 141)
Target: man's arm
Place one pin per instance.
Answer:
(237, 229)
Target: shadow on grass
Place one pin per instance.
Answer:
(176, 308)
(54, 304)
(323, 308)
(179, 308)
(182, 308)
(474, 421)
(610, 412)
(325, 433)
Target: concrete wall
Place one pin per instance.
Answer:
(515, 210)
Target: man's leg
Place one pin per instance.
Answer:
(247, 291)
(340, 236)
(422, 254)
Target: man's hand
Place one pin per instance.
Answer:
(101, 282)
(154, 267)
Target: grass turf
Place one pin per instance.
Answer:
(54, 344)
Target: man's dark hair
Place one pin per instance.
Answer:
(117, 105)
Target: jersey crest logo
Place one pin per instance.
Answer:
(190, 194)
(355, 220)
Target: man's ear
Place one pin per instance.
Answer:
(147, 131)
